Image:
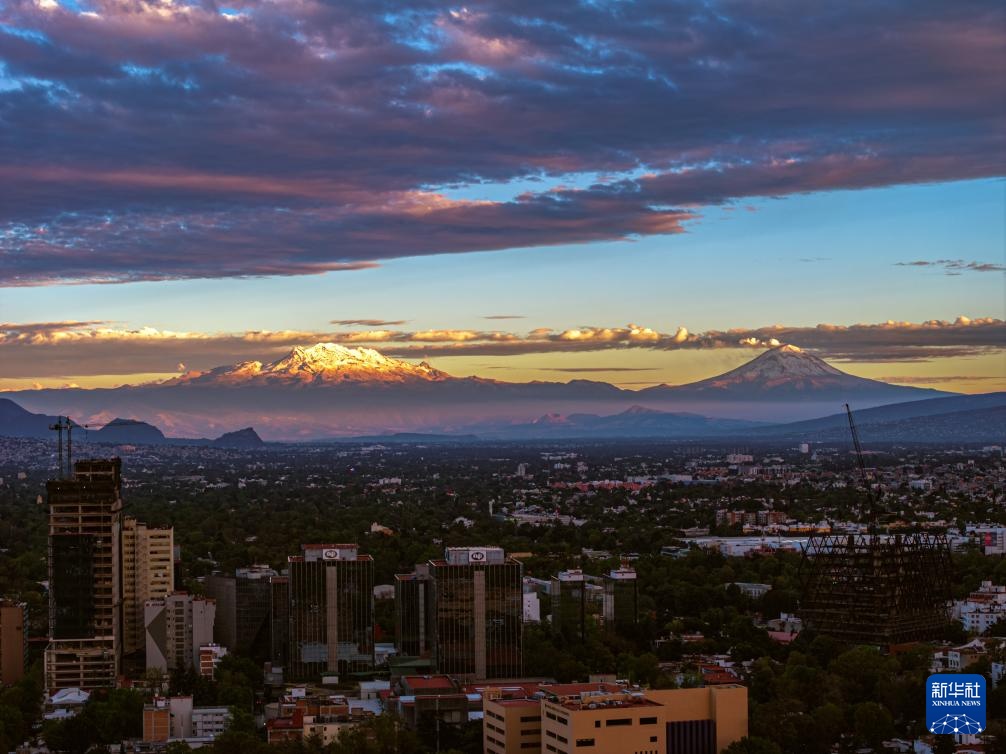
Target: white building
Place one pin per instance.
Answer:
(982, 609)
(177, 626)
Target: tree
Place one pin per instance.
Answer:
(872, 723)
(753, 745)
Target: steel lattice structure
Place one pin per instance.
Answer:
(876, 589)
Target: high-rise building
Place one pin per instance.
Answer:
(12, 641)
(478, 611)
(331, 592)
(147, 573)
(177, 625)
(414, 613)
(244, 607)
(85, 607)
(569, 604)
(621, 599)
(279, 620)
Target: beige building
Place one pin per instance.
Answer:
(177, 626)
(511, 725)
(604, 718)
(12, 641)
(85, 602)
(147, 574)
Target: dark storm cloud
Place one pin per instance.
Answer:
(157, 140)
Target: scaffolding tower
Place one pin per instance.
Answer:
(876, 589)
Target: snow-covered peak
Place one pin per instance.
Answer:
(322, 363)
(325, 357)
(780, 366)
(788, 361)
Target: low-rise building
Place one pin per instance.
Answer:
(175, 718)
(607, 718)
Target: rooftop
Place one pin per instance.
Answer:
(428, 682)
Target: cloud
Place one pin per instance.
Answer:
(39, 350)
(369, 322)
(588, 370)
(938, 379)
(181, 140)
(955, 266)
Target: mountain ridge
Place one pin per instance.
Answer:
(327, 390)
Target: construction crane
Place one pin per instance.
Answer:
(66, 423)
(862, 469)
(58, 428)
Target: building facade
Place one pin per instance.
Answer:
(279, 620)
(605, 718)
(331, 611)
(177, 626)
(12, 641)
(569, 604)
(85, 603)
(147, 573)
(244, 607)
(478, 612)
(414, 613)
(621, 599)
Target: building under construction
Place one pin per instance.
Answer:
(85, 604)
(873, 588)
(876, 589)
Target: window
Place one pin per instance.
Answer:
(585, 742)
(597, 723)
(647, 721)
(653, 739)
(530, 718)
(618, 721)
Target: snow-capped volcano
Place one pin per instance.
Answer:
(786, 373)
(322, 363)
(785, 363)
(327, 389)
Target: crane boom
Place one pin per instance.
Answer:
(862, 465)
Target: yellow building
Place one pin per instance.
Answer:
(147, 574)
(511, 725)
(605, 718)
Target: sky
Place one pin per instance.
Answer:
(638, 192)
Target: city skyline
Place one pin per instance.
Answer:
(512, 192)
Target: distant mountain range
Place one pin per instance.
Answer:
(960, 418)
(329, 390)
(17, 422)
